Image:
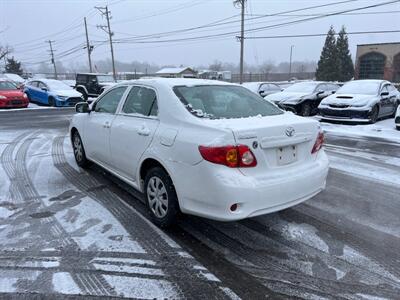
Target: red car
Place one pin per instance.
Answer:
(11, 96)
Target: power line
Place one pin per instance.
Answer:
(319, 34)
(219, 35)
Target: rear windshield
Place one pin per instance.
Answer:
(224, 102)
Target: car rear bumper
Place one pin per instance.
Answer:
(344, 114)
(210, 194)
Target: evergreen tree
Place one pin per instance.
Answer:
(13, 66)
(327, 69)
(345, 67)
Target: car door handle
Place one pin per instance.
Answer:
(106, 125)
(143, 131)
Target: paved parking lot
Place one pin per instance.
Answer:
(73, 232)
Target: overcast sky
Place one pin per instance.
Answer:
(26, 24)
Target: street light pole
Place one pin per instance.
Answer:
(290, 61)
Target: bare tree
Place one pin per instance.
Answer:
(4, 51)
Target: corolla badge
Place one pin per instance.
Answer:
(290, 131)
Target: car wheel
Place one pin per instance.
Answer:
(306, 109)
(374, 115)
(79, 151)
(398, 127)
(161, 197)
(52, 102)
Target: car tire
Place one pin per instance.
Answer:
(52, 102)
(79, 151)
(306, 109)
(398, 128)
(161, 199)
(395, 111)
(374, 114)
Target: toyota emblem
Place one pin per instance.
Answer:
(290, 131)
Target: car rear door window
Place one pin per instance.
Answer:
(109, 102)
(142, 101)
(41, 85)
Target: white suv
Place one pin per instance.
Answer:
(201, 147)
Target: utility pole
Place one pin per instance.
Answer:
(290, 62)
(105, 12)
(89, 48)
(52, 58)
(242, 4)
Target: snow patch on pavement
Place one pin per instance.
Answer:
(141, 288)
(64, 284)
(364, 170)
(383, 129)
(5, 213)
(304, 233)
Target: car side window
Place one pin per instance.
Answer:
(391, 88)
(385, 89)
(81, 78)
(109, 102)
(41, 85)
(274, 87)
(321, 87)
(141, 101)
(264, 87)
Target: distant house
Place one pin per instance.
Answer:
(183, 72)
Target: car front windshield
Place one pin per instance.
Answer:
(224, 101)
(105, 78)
(306, 87)
(360, 87)
(58, 85)
(7, 86)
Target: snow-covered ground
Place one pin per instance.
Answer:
(382, 129)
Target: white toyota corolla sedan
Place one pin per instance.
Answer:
(200, 147)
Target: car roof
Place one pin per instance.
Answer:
(171, 82)
(94, 74)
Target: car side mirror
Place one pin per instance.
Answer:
(82, 107)
(333, 92)
(262, 93)
(383, 94)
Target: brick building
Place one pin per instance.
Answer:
(378, 61)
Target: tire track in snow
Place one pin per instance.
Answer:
(180, 270)
(18, 173)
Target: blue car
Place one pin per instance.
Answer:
(52, 92)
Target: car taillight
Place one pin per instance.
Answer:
(318, 143)
(25, 96)
(239, 156)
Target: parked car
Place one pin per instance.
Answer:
(11, 96)
(303, 98)
(201, 147)
(262, 88)
(52, 92)
(361, 101)
(18, 80)
(397, 118)
(93, 84)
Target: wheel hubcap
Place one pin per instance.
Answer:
(78, 151)
(157, 197)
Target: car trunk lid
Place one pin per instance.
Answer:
(277, 142)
